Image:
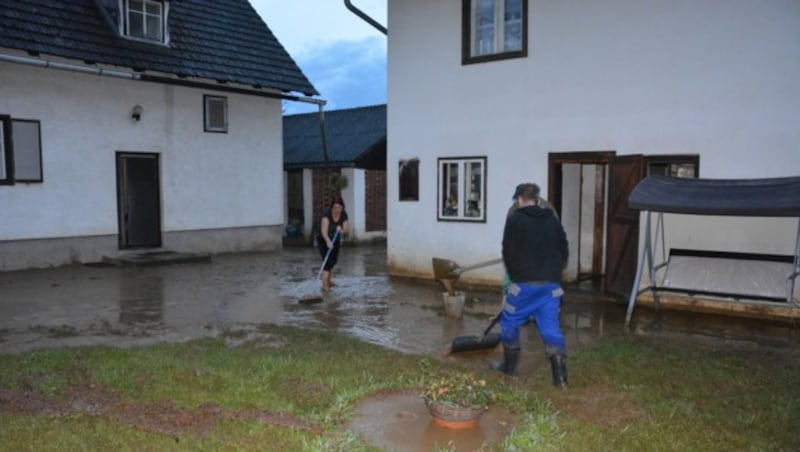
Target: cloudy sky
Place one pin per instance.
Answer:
(343, 56)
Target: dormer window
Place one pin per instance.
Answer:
(146, 20)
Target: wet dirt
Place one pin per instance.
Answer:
(92, 398)
(229, 295)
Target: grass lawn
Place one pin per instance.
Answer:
(295, 389)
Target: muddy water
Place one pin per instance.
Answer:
(401, 422)
(125, 306)
(122, 306)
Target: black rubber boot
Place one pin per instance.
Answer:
(558, 363)
(510, 360)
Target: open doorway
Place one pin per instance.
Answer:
(578, 187)
(590, 191)
(138, 200)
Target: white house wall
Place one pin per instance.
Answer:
(719, 78)
(219, 191)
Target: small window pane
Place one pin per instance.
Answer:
(154, 28)
(474, 189)
(216, 114)
(513, 25)
(682, 170)
(484, 25)
(450, 190)
(136, 25)
(27, 151)
(673, 166)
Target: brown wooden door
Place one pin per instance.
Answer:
(622, 239)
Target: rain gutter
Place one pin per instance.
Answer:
(44, 63)
(39, 62)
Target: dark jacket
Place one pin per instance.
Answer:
(534, 245)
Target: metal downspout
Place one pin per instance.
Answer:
(366, 18)
(323, 135)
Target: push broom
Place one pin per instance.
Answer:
(474, 342)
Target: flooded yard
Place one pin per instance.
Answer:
(133, 305)
(231, 295)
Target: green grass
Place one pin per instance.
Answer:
(625, 394)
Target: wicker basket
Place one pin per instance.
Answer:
(453, 417)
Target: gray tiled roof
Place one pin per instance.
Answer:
(222, 40)
(355, 137)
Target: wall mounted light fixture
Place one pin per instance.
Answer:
(136, 112)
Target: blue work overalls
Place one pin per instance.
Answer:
(542, 302)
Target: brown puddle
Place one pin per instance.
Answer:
(400, 422)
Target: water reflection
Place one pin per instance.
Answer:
(200, 299)
(141, 302)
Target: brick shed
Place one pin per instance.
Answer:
(354, 147)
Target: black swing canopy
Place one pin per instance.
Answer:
(772, 197)
(776, 197)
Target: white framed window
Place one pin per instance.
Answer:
(146, 20)
(494, 29)
(462, 189)
(215, 114)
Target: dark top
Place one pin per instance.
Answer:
(775, 197)
(534, 245)
(332, 224)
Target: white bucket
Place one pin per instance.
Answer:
(454, 304)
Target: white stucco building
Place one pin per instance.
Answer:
(119, 138)
(585, 99)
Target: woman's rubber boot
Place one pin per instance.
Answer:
(510, 360)
(558, 363)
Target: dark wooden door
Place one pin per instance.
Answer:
(622, 239)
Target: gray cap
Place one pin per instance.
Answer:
(527, 191)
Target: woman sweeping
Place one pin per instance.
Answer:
(333, 226)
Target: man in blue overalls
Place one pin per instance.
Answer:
(535, 251)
